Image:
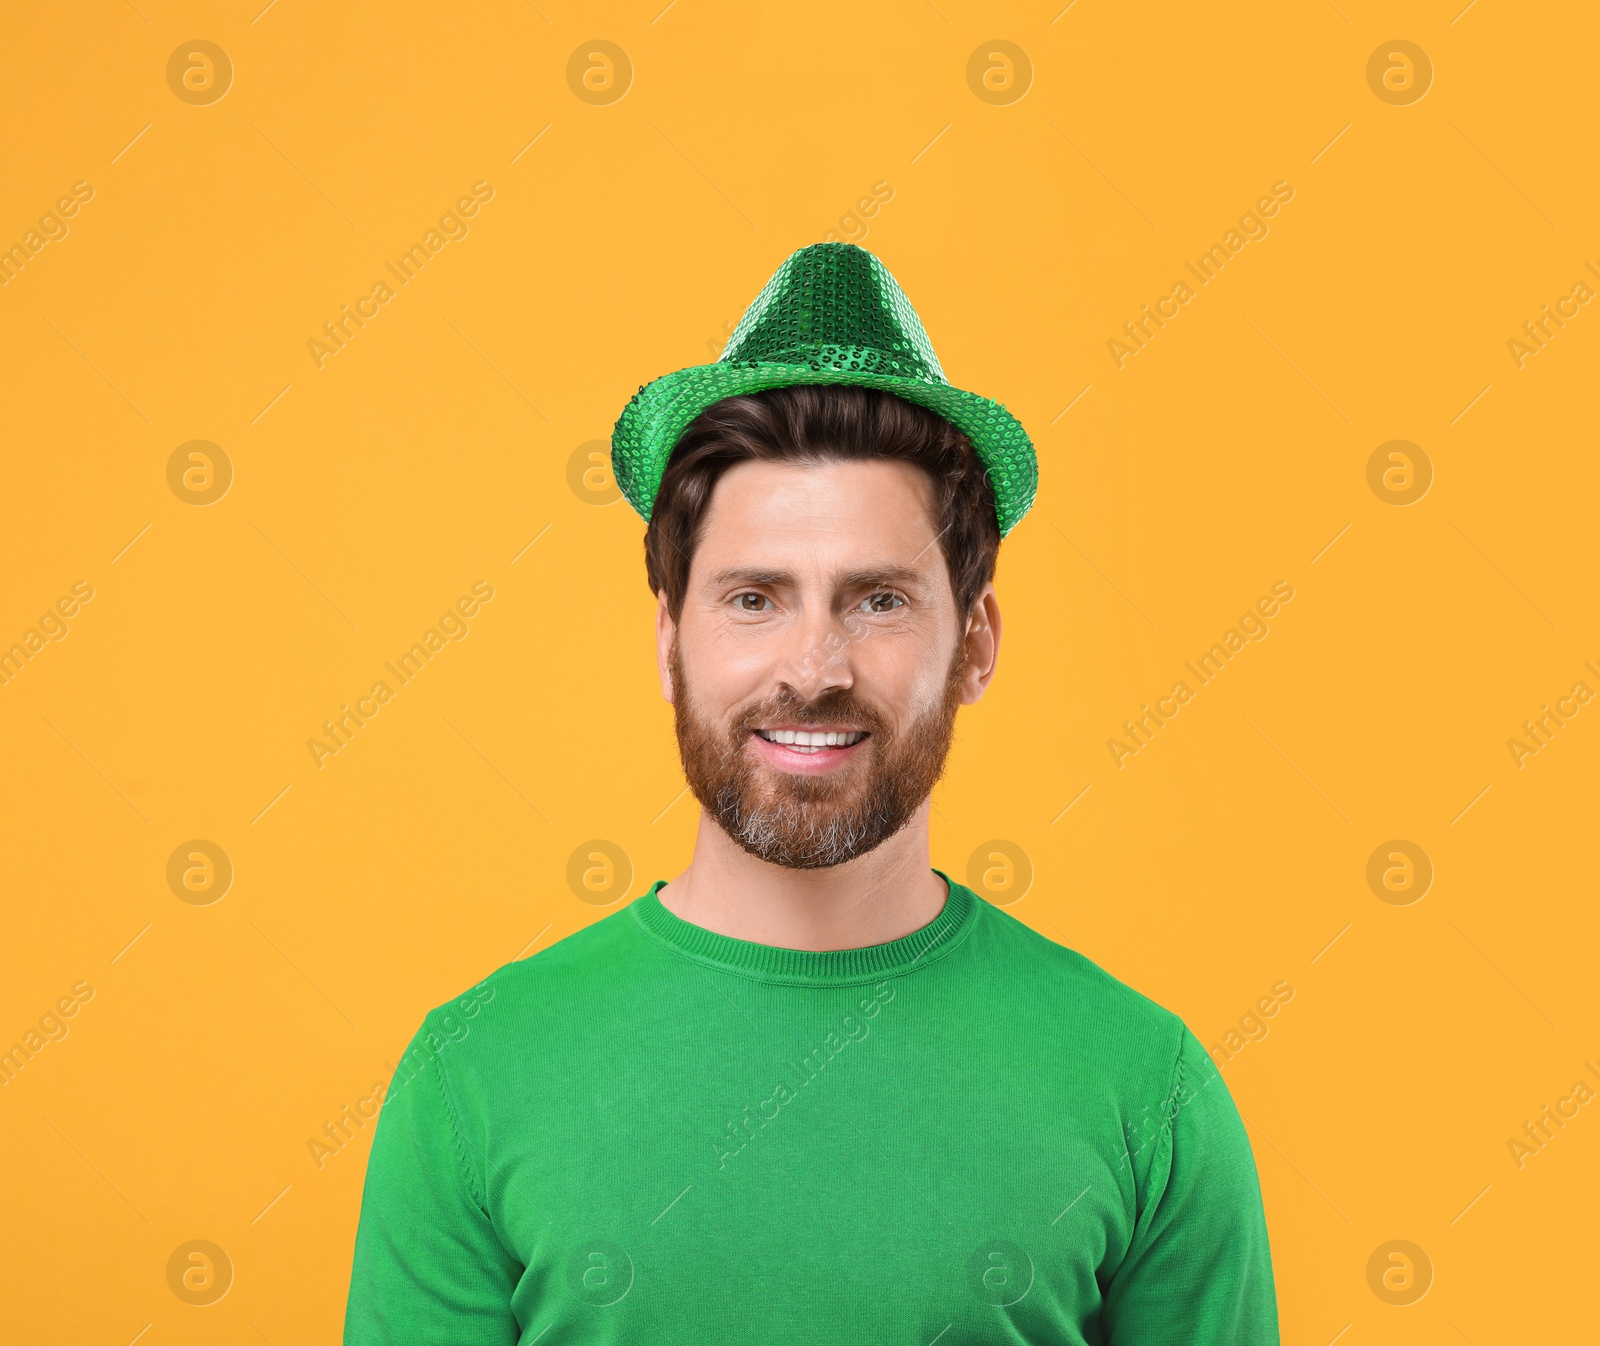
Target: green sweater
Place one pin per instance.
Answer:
(653, 1134)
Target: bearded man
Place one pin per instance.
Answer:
(812, 1088)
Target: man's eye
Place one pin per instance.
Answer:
(882, 602)
(751, 602)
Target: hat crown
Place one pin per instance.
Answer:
(831, 315)
(835, 306)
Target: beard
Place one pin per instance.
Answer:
(814, 821)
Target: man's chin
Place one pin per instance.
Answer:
(812, 820)
(803, 860)
(820, 835)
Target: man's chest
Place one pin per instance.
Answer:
(874, 1191)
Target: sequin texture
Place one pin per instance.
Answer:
(831, 314)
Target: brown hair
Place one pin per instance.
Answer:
(816, 424)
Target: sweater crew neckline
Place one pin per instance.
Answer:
(811, 967)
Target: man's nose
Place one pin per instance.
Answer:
(818, 657)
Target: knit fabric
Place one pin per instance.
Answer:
(653, 1133)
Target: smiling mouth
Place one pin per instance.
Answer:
(812, 740)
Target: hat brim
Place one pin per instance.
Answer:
(652, 423)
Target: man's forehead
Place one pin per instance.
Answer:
(855, 514)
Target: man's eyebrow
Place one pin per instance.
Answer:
(906, 576)
(749, 575)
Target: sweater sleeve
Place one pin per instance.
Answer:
(429, 1269)
(1198, 1271)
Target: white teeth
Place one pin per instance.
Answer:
(810, 740)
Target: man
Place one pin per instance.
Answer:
(812, 1089)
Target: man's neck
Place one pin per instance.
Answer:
(884, 895)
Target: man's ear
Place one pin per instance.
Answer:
(983, 645)
(666, 629)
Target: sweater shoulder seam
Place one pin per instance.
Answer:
(1168, 1114)
(457, 1140)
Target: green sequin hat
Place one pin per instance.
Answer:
(831, 313)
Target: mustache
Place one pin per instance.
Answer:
(839, 706)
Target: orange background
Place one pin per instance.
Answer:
(437, 451)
